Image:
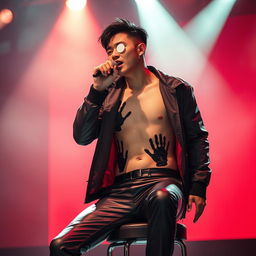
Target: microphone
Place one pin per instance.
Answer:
(98, 73)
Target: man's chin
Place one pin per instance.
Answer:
(124, 72)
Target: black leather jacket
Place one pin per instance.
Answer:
(96, 119)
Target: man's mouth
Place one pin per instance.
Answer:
(118, 64)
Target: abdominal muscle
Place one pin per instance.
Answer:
(136, 143)
(142, 161)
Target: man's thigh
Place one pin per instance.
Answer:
(93, 225)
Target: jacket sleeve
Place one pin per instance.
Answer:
(196, 140)
(87, 122)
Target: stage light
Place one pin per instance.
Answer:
(76, 5)
(6, 16)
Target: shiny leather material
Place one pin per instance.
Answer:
(157, 200)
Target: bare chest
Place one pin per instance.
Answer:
(142, 109)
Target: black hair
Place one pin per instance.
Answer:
(122, 26)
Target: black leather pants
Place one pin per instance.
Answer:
(157, 200)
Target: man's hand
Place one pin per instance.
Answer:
(106, 79)
(200, 204)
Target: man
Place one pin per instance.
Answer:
(151, 159)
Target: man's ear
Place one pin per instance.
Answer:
(141, 48)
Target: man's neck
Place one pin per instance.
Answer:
(139, 78)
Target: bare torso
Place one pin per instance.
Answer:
(144, 137)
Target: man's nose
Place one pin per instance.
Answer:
(115, 55)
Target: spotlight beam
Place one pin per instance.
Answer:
(169, 47)
(205, 28)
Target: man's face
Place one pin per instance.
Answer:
(123, 50)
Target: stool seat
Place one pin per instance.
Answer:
(136, 233)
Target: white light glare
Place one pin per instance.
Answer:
(76, 5)
(144, 1)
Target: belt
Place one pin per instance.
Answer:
(149, 172)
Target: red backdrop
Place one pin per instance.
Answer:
(45, 172)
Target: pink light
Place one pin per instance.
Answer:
(76, 5)
(6, 16)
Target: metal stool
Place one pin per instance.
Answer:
(136, 233)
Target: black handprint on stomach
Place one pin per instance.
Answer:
(121, 157)
(120, 119)
(159, 154)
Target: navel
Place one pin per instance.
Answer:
(160, 117)
(138, 158)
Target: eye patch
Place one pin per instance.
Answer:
(120, 48)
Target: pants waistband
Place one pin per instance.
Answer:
(148, 172)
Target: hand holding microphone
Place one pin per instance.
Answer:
(104, 75)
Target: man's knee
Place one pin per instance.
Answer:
(162, 197)
(55, 247)
(162, 194)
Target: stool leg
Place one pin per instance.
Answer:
(182, 246)
(127, 248)
(112, 246)
(110, 249)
